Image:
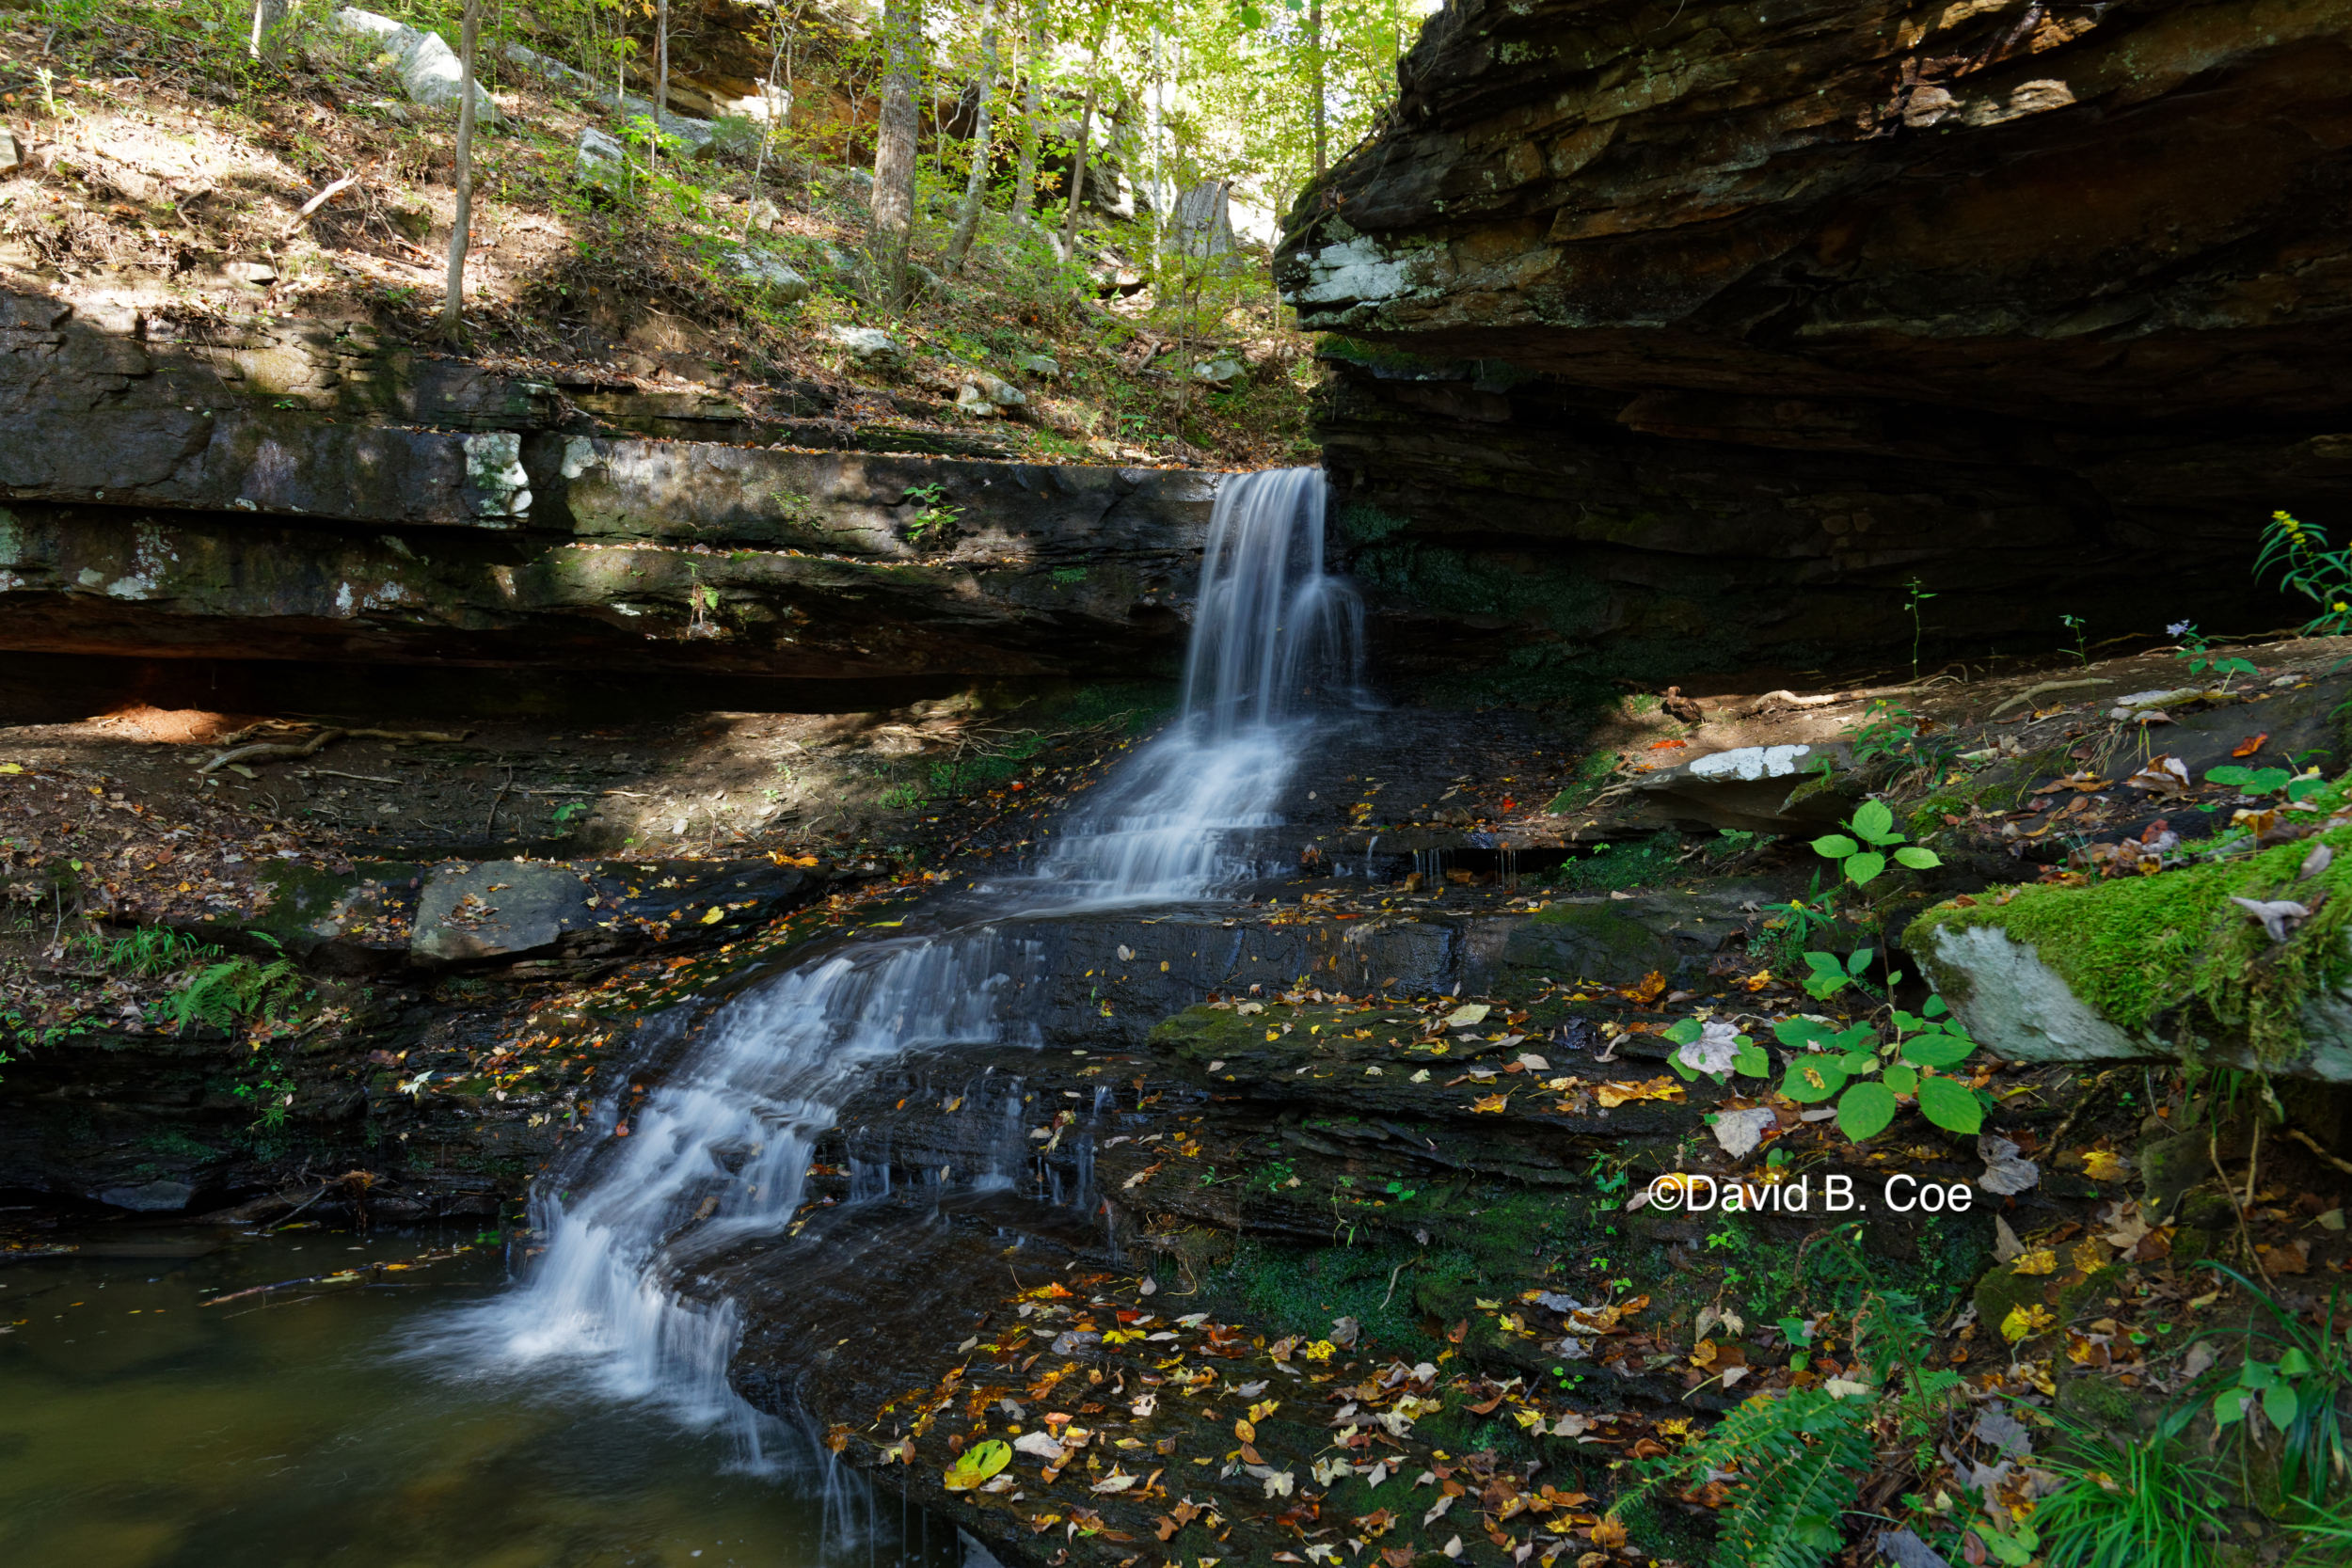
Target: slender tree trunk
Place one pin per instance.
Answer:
(1032, 111)
(1155, 121)
(460, 229)
(1085, 127)
(976, 183)
(894, 151)
(767, 125)
(1314, 57)
(268, 15)
(661, 81)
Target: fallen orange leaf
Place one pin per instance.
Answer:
(1615, 1094)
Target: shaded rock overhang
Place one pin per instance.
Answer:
(1790, 304)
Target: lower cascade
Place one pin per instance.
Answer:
(718, 1153)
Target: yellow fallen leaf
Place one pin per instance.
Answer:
(2102, 1164)
(715, 915)
(2040, 1260)
(11, 767)
(976, 1464)
(2024, 1321)
(1494, 1102)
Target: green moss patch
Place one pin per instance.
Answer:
(2139, 950)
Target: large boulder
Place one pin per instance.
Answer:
(2243, 962)
(1702, 331)
(430, 71)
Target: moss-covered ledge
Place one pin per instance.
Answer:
(2153, 968)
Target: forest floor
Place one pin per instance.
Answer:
(1261, 1177)
(145, 148)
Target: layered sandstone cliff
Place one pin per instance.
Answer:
(1715, 323)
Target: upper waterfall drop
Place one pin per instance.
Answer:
(1274, 636)
(1275, 632)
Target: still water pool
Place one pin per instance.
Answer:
(140, 1428)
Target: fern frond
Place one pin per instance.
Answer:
(1801, 1458)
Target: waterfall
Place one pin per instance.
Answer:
(718, 1152)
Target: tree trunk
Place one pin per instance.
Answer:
(1085, 127)
(976, 183)
(1315, 57)
(268, 16)
(894, 151)
(1032, 111)
(661, 81)
(767, 125)
(460, 229)
(1155, 122)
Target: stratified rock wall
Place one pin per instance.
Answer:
(1715, 323)
(300, 491)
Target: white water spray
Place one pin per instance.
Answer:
(720, 1151)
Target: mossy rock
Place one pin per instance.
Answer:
(2005, 1288)
(1591, 942)
(2002, 787)
(2139, 968)
(2097, 1402)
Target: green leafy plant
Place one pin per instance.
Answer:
(1862, 852)
(234, 992)
(1827, 974)
(1731, 843)
(1868, 1076)
(2194, 651)
(2268, 781)
(570, 810)
(1795, 1460)
(272, 1085)
(2123, 1503)
(934, 521)
(903, 796)
(1915, 596)
(1795, 925)
(2298, 553)
(150, 950)
(2075, 624)
(1893, 735)
(2299, 1393)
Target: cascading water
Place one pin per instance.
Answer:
(719, 1150)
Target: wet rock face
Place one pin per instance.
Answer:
(1723, 326)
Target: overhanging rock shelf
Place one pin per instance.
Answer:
(1703, 330)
